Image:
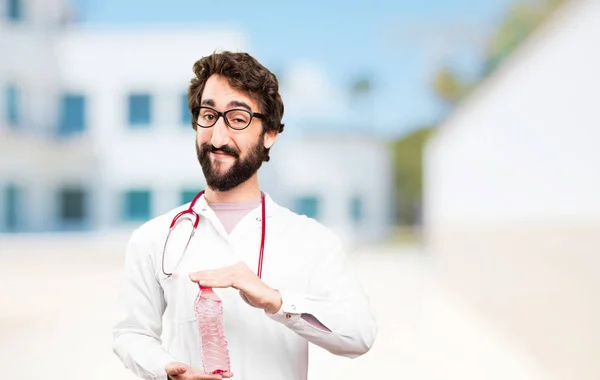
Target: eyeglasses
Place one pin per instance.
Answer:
(236, 118)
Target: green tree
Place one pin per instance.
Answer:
(449, 86)
(408, 165)
(520, 20)
(361, 86)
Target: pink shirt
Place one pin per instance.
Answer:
(231, 213)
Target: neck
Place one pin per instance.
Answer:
(245, 192)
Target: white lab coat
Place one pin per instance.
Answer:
(302, 259)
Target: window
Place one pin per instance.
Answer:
(188, 195)
(12, 106)
(72, 203)
(140, 110)
(14, 10)
(186, 115)
(12, 200)
(307, 205)
(72, 115)
(356, 209)
(137, 205)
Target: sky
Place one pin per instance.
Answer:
(323, 46)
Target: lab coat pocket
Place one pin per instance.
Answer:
(188, 337)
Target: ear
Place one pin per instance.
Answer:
(270, 137)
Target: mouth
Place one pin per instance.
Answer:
(222, 154)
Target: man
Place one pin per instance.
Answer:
(304, 292)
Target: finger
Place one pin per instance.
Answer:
(223, 272)
(195, 276)
(212, 274)
(213, 279)
(227, 375)
(175, 368)
(214, 283)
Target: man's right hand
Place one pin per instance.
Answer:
(181, 371)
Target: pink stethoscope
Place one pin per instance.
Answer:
(193, 217)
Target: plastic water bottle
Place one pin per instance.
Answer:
(209, 314)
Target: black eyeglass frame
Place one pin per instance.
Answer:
(223, 115)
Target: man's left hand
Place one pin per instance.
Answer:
(242, 278)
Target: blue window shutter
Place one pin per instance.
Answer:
(12, 207)
(15, 10)
(187, 195)
(186, 115)
(140, 110)
(12, 105)
(356, 209)
(73, 114)
(72, 203)
(307, 205)
(137, 205)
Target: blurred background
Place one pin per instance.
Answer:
(452, 144)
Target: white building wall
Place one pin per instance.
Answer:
(28, 159)
(525, 147)
(109, 157)
(108, 65)
(335, 169)
(40, 14)
(512, 211)
(40, 168)
(31, 64)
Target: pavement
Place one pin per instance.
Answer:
(57, 301)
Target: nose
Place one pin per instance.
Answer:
(220, 133)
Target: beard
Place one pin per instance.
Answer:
(238, 173)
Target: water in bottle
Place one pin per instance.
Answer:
(209, 314)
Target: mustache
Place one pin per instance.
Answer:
(225, 149)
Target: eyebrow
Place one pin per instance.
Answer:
(237, 103)
(233, 103)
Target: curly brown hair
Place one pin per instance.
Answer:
(246, 74)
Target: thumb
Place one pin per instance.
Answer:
(175, 368)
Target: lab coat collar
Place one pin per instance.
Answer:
(202, 207)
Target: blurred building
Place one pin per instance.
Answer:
(512, 184)
(344, 181)
(95, 131)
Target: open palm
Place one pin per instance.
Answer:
(181, 371)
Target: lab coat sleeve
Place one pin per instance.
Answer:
(336, 299)
(141, 304)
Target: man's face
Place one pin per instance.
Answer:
(230, 157)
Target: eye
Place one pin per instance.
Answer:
(238, 117)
